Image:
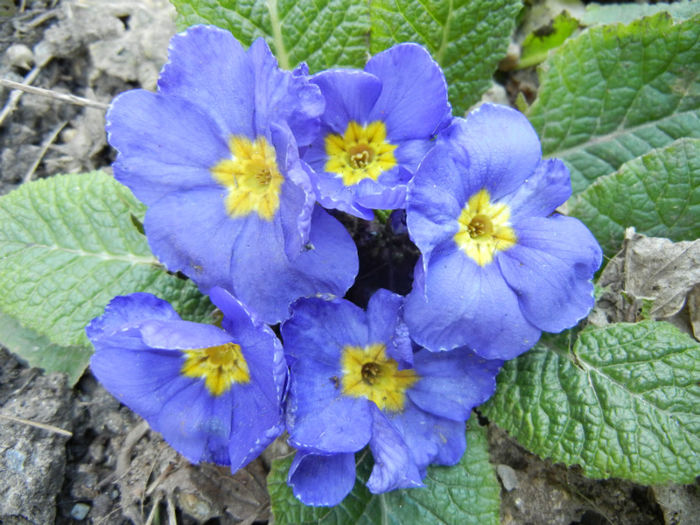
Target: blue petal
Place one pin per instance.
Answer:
(190, 232)
(452, 383)
(436, 196)
(550, 269)
(318, 329)
(431, 439)
(181, 335)
(149, 382)
(268, 282)
(387, 326)
(459, 303)
(128, 310)
(350, 95)
(494, 148)
(321, 480)
(244, 91)
(394, 466)
(318, 415)
(413, 102)
(257, 409)
(284, 96)
(540, 194)
(387, 193)
(165, 144)
(207, 66)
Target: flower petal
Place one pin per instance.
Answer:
(464, 304)
(453, 383)
(394, 466)
(413, 102)
(350, 95)
(318, 329)
(427, 435)
(321, 480)
(268, 282)
(128, 310)
(165, 144)
(550, 269)
(190, 232)
(540, 194)
(207, 66)
(435, 199)
(284, 96)
(319, 416)
(495, 148)
(385, 325)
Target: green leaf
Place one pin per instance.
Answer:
(538, 43)
(467, 493)
(617, 92)
(625, 13)
(38, 351)
(68, 246)
(324, 33)
(658, 194)
(467, 38)
(624, 403)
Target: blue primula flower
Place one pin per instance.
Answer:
(214, 394)
(355, 381)
(498, 266)
(376, 128)
(214, 156)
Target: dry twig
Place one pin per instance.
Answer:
(36, 424)
(63, 97)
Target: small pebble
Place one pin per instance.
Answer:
(508, 477)
(19, 55)
(80, 511)
(15, 460)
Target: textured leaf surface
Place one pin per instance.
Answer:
(467, 493)
(625, 13)
(467, 37)
(324, 33)
(616, 92)
(36, 350)
(658, 194)
(625, 403)
(68, 246)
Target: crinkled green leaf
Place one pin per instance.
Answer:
(467, 493)
(617, 92)
(323, 33)
(658, 194)
(538, 43)
(467, 37)
(37, 350)
(68, 246)
(624, 403)
(625, 13)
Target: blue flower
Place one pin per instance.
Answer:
(214, 394)
(355, 381)
(497, 265)
(377, 126)
(214, 156)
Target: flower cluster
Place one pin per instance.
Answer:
(237, 162)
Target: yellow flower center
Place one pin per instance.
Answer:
(220, 366)
(484, 228)
(368, 372)
(251, 177)
(362, 152)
